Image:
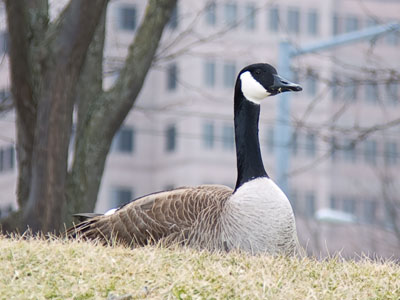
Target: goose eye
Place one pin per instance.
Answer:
(258, 72)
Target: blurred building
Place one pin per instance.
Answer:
(344, 155)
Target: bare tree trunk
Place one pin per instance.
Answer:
(46, 61)
(68, 43)
(45, 65)
(22, 90)
(27, 23)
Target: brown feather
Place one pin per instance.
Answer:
(184, 215)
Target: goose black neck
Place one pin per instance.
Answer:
(248, 154)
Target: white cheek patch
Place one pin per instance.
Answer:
(252, 89)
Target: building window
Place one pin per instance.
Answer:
(270, 140)
(211, 14)
(208, 135)
(390, 215)
(350, 90)
(333, 146)
(294, 143)
(170, 144)
(3, 42)
(312, 83)
(391, 153)
(333, 203)
(313, 23)
(120, 196)
(293, 199)
(295, 75)
(349, 151)
(370, 150)
(369, 215)
(293, 20)
(124, 140)
(351, 24)
(250, 21)
(273, 19)
(209, 73)
(372, 92)
(127, 18)
(5, 97)
(7, 159)
(310, 204)
(229, 75)
(5, 211)
(310, 145)
(349, 205)
(392, 92)
(172, 77)
(173, 20)
(335, 87)
(231, 14)
(335, 25)
(392, 38)
(4, 94)
(371, 22)
(228, 140)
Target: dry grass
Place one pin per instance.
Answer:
(57, 269)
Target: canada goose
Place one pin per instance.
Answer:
(254, 217)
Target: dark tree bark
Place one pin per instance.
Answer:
(67, 43)
(22, 89)
(54, 65)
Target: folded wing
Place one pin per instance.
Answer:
(176, 216)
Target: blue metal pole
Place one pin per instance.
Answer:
(347, 38)
(282, 127)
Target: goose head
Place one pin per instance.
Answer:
(259, 81)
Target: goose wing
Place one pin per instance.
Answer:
(170, 215)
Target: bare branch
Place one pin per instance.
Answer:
(90, 85)
(310, 165)
(67, 43)
(122, 96)
(74, 30)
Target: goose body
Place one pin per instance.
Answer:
(254, 217)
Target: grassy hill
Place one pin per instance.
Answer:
(57, 269)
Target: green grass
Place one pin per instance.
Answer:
(58, 269)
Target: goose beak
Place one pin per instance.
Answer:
(282, 85)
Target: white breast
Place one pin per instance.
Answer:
(259, 218)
